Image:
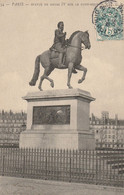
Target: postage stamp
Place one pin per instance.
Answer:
(107, 18)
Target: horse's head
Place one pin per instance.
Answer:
(85, 39)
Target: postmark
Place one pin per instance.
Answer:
(107, 18)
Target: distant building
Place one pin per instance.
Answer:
(105, 117)
(11, 125)
(106, 129)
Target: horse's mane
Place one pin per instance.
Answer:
(71, 37)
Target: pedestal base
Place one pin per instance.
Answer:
(58, 119)
(57, 140)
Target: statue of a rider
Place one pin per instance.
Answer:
(60, 44)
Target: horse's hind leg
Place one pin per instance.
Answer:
(47, 72)
(40, 84)
(82, 68)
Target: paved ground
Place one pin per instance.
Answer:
(20, 186)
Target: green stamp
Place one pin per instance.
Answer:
(108, 20)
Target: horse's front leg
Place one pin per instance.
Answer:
(70, 68)
(82, 68)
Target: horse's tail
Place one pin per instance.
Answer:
(36, 71)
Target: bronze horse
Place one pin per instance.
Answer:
(73, 57)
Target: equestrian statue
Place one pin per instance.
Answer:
(63, 54)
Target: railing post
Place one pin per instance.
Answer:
(23, 162)
(46, 168)
(3, 160)
(96, 152)
(70, 167)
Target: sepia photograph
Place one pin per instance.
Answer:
(62, 97)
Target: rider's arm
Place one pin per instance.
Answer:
(58, 34)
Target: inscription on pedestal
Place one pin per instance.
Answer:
(43, 115)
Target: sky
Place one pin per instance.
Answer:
(27, 31)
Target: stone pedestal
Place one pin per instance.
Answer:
(58, 119)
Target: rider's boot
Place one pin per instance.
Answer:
(74, 71)
(61, 65)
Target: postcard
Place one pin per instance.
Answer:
(28, 30)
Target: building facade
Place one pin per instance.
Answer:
(107, 129)
(11, 125)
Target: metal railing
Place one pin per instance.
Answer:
(86, 166)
